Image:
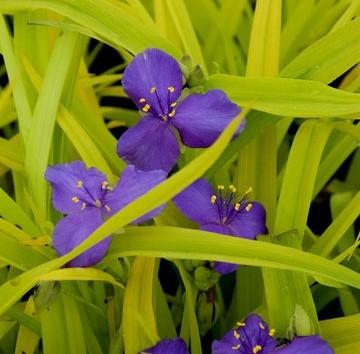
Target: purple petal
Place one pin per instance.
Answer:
(168, 346)
(73, 229)
(149, 145)
(65, 179)
(201, 118)
(134, 183)
(251, 223)
(225, 268)
(252, 333)
(147, 80)
(194, 202)
(308, 345)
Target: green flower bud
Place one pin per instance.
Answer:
(207, 313)
(205, 277)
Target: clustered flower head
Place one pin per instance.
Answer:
(223, 211)
(252, 336)
(153, 80)
(88, 199)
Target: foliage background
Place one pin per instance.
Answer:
(293, 66)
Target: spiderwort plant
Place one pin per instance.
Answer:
(253, 336)
(153, 80)
(224, 211)
(87, 199)
(168, 346)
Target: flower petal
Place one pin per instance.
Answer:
(308, 345)
(250, 223)
(149, 145)
(168, 346)
(74, 180)
(225, 268)
(201, 118)
(73, 229)
(134, 183)
(194, 202)
(153, 78)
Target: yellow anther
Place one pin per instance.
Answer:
(153, 89)
(79, 184)
(105, 185)
(232, 188)
(171, 89)
(97, 203)
(257, 349)
(248, 207)
(241, 324)
(213, 199)
(261, 325)
(236, 335)
(173, 104)
(172, 113)
(75, 199)
(249, 190)
(107, 208)
(220, 187)
(272, 332)
(236, 347)
(237, 206)
(142, 100)
(83, 206)
(146, 108)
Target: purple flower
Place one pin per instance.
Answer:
(224, 212)
(87, 198)
(153, 80)
(254, 337)
(168, 346)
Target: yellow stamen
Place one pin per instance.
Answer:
(173, 104)
(257, 349)
(171, 89)
(248, 207)
(79, 184)
(146, 108)
(232, 188)
(241, 324)
(261, 325)
(153, 89)
(213, 199)
(107, 208)
(220, 187)
(172, 113)
(83, 206)
(142, 100)
(75, 199)
(272, 332)
(237, 206)
(236, 335)
(235, 347)
(249, 190)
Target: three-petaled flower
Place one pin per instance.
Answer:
(168, 346)
(225, 212)
(85, 195)
(253, 336)
(153, 80)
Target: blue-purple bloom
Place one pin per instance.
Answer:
(168, 346)
(253, 336)
(153, 80)
(86, 197)
(224, 212)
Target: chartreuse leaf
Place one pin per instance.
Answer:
(11, 153)
(342, 333)
(6, 327)
(139, 304)
(10, 292)
(287, 97)
(39, 141)
(110, 21)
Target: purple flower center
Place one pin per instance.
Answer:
(97, 200)
(230, 204)
(165, 109)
